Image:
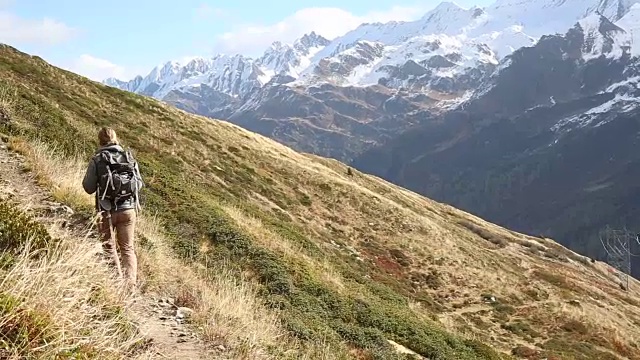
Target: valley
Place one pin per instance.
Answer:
(507, 119)
(340, 264)
(425, 189)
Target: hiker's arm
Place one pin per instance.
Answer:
(140, 181)
(90, 182)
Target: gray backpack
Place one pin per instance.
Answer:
(118, 177)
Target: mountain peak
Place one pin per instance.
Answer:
(600, 22)
(277, 46)
(547, 17)
(444, 10)
(601, 37)
(310, 40)
(112, 81)
(448, 6)
(631, 23)
(310, 37)
(459, 37)
(613, 9)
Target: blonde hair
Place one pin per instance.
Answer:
(107, 136)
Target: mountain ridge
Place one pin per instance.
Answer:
(538, 158)
(424, 68)
(220, 71)
(446, 19)
(547, 100)
(344, 265)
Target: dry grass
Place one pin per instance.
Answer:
(63, 303)
(437, 230)
(274, 241)
(351, 228)
(226, 310)
(62, 175)
(266, 237)
(59, 301)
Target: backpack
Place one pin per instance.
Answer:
(118, 177)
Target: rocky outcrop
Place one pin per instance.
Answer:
(337, 122)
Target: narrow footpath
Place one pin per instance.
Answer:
(161, 322)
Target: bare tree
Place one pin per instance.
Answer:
(617, 245)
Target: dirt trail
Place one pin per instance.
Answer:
(160, 322)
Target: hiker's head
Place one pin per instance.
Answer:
(107, 136)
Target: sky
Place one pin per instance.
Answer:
(125, 38)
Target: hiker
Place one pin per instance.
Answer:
(113, 175)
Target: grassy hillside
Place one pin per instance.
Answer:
(338, 258)
(55, 303)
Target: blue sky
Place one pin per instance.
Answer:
(124, 38)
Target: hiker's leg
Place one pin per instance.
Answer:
(126, 232)
(108, 242)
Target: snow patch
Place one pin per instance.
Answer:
(613, 43)
(631, 24)
(621, 103)
(630, 82)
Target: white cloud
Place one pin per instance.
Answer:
(97, 69)
(6, 3)
(15, 30)
(327, 21)
(206, 11)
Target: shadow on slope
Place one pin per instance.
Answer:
(542, 151)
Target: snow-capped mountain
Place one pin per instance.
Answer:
(471, 37)
(524, 112)
(595, 42)
(234, 75)
(547, 145)
(549, 17)
(606, 41)
(230, 74)
(291, 59)
(446, 43)
(631, 23)
(602, 38)
(349, 92)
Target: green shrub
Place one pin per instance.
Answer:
(496, 239)
(21, 330)
(311, 310)
(554, 279)
(65, 114)
(522, 329)
(16, 230)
